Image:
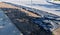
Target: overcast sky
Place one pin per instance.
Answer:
(25, 1)
(20, 0)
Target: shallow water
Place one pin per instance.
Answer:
(6, 26)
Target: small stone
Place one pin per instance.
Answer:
(10, 23)
(14, 31)
(1, 18)
(21, 34)
(1, 27)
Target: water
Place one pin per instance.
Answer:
(6, 26)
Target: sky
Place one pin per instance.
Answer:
(25, 1)
(20, 0)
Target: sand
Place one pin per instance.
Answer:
(57, 31)
(4, 5)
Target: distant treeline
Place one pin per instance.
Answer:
(56, 0)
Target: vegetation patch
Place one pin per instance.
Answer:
(56, 0)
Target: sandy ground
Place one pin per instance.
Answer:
(3, 5)
(57, 31)
(24, 23)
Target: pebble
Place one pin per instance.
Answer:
(1, 27)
